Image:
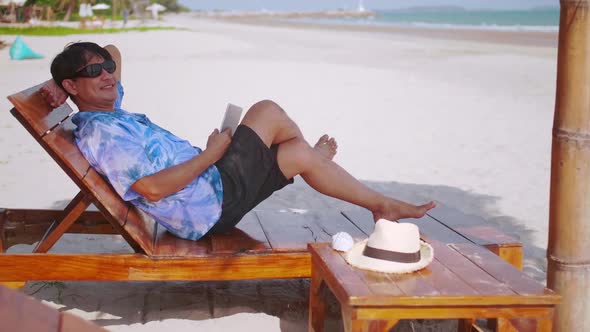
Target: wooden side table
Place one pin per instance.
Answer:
(464, 281)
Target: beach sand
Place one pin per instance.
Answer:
(463, 119)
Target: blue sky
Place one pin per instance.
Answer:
(349, 4)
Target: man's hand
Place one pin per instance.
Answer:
(53, 94)
(217, 143)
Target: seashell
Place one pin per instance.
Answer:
(342, 241)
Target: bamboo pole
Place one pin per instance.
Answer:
(568, 252)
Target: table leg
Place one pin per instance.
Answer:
(465, 325)
(317, 304)
(382, 325)
(505, 325)
(544, 325)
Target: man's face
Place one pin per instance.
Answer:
(93, 93)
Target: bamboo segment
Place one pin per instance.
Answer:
(567, 253)
(2, 236)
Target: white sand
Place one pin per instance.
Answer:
(464, 123)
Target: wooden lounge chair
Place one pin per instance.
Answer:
(264, 244)
(243, 254)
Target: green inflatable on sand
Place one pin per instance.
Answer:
(20, 51)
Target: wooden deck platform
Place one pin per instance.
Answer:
(264, 245)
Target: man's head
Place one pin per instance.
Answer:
(85, 72)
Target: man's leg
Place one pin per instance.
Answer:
(271, 123)
(273, 126)
(296, 157)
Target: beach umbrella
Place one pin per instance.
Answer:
(156, 7)
(8, 2)
(101, 6)
(568, 251)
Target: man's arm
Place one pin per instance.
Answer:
(53, 94)
(116, 55)
(171, 180)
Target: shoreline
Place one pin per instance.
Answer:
(520, 38)
(282, 20)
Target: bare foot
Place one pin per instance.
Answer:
(394, 210)
(326, 146)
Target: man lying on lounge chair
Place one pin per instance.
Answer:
(190, 191)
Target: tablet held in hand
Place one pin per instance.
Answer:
(231, 119)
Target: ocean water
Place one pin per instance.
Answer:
(510, 20)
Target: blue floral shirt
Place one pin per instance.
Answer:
(124, 147)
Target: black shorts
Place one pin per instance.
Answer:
(249, 173)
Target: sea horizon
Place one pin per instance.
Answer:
(543, 19)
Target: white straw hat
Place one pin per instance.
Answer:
(391, 248)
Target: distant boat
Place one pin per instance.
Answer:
(361, 7)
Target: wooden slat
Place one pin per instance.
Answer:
(21, 313)
(39, 116)
(378, 283)
(332, 222)
(116, 210)
(505, 273)
(60, 145)
(107, 198)
(343, 281)
(445, 281)
(415, 284)
(474, 276)
(476, 229)
(168, 245)
(140, 226)
(512, 254)
(33, 233)
(288, 232)
(467, 310)
(40, 216)
(246, 237)
(28, 226)
(140, 267)
(429, 227)
(487, 235)
(362, 219)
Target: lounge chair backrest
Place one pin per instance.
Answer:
(53, 129)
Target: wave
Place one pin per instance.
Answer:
(483, 26)
(429, 25)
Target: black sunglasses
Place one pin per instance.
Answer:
(95, 69)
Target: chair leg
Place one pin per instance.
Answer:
(56, 230)
(8, 284)
(505, 325)
(317, 303)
